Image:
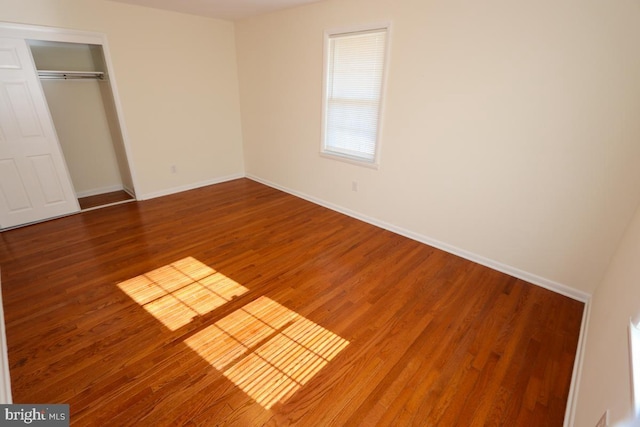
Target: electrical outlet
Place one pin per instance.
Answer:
(604, 419)
(174, 169)
(354, 185)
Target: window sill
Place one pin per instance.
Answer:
(350, 160)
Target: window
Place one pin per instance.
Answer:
(354, 76)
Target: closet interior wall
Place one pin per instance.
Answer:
(84, 115)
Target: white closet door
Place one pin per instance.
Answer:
(34, 181)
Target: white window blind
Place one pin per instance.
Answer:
(355, 64)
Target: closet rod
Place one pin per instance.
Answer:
(70, 75)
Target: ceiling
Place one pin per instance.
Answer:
(222, 9)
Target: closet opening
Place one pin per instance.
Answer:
(76, 85)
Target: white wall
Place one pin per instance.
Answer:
(605, 381)
(177, 80)
(511, 128)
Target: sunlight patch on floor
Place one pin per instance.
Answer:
(177, 293)
(267, 350)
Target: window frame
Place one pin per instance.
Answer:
(331, 154)
(634, 362)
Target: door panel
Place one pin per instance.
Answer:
(9, 58)
(48, 181)
(35, 183)
(21, 105)
(15, 195)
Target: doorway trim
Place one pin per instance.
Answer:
(56, 34)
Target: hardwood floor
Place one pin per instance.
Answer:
(237, 304)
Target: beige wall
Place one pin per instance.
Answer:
(177, 81)
(84, 135)
(511, 128)
(605, 382)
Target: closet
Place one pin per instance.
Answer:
(62, 139)
(79, 96)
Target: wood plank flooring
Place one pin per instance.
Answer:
(237, 304)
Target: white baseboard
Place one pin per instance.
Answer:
(559, 288)
(96, 191)
(572, 400)
(5, 378)
(495, 265)
(188, 187)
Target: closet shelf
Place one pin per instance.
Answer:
(70, 75)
